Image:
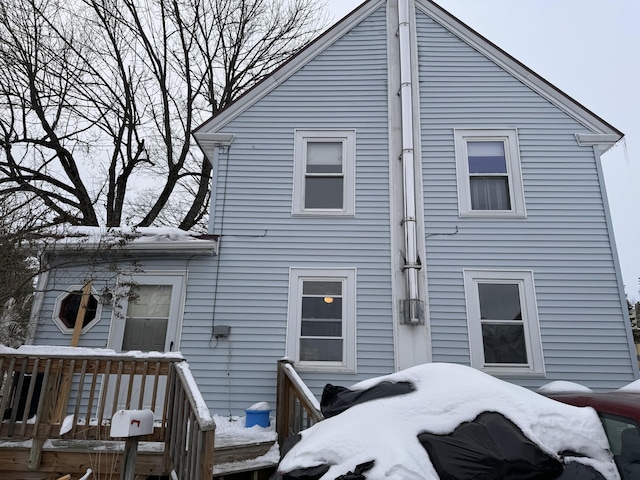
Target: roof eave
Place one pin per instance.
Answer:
(191, 247)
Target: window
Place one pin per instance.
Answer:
(322, 322)
(489, 175)
(504, 334)
(65, 310)
(324, 172)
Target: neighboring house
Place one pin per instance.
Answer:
(402, 191)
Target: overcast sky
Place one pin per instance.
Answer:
(590, 50)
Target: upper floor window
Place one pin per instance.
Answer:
(324, 180)
(321, 323)
(489, 174)
(504, 333)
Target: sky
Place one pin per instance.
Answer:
(589, 50)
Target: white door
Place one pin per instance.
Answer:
(147, 318)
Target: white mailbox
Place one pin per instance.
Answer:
(132, 423)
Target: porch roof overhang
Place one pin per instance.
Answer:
(150, 240)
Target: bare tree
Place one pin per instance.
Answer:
(17, 267)
(98, 98)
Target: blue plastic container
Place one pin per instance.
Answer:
(257, 417)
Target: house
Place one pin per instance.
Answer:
(402, 191)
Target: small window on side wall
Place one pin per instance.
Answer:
(489, 173)
(504, 332)
(67, 305)
(321, 320)
(324, 172)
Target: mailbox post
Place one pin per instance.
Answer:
(131, 424)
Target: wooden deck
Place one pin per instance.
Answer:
(56, 412)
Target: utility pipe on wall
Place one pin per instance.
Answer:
(413, 311)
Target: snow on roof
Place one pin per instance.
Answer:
(446, 395)
(137, 238)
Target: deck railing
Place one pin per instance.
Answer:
(296, 407)
(73, 396)
(191, 428)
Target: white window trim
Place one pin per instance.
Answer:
(524, 279)
(348, 139)
(514, 171)
(58, 303)
(296, 277)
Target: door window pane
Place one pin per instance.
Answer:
(147, 318)
(145, 334)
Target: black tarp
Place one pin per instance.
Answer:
(336, 400)
(491, 447)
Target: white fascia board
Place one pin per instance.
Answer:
(289, 68)
(208, 142)
(603, 141)
(527, 76)
(194, 247)
(212, 140)
(209, 247)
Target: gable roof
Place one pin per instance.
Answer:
(598, 126)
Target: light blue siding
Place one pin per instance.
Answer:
(343, 87)
(564, 239)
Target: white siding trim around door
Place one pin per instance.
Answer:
(176, 280)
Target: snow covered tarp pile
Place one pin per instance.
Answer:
(431, 421)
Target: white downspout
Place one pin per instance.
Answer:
(215, 170)
(413, 311)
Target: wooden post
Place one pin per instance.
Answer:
(129, 459)
(82, 313)
(283, 403)
(65, 385)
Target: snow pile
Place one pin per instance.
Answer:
(446, 395)
(633, 387)
(231, 431)
(65, 351)
(259, 407)
(101, 234)
(562, 386)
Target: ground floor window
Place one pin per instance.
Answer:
(321, 319)
(504, 332)
(67, 307)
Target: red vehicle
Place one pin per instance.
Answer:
(619, 412)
